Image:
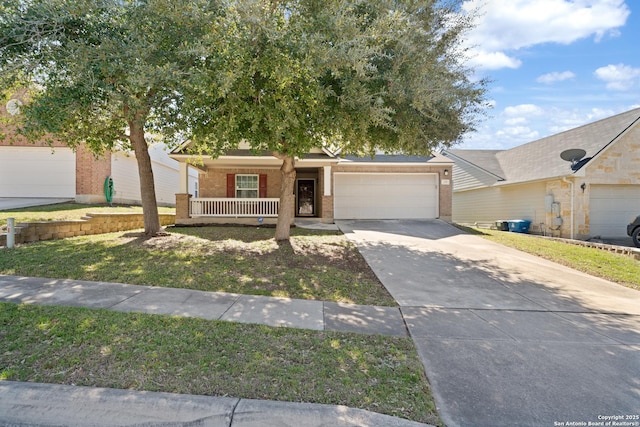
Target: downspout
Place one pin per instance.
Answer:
(572, 197)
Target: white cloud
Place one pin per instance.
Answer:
(555, 77)
(493, 60)
(505, 26)
(618, 77)
(516, 121)
(523, 109)
(520, 132)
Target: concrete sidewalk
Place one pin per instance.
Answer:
(30, 404)
(49, 405)
(270, 311)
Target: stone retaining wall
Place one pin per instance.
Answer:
(93, 223)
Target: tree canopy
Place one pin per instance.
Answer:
(105, 72)
(283, 75)
(362, 76)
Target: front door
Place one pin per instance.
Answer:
(306, 192)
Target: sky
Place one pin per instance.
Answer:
(553, 65)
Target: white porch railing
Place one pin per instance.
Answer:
(222, 207)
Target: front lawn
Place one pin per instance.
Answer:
(617, 268)
(317, 265)
(66, 345)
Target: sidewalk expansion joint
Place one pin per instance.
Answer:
(143, 290)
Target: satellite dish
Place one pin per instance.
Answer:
(13, 106)
(573, 155)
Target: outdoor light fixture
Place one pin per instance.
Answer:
(446, 172)
(583, 186)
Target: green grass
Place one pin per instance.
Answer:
(317, 265)
(66, 211)
(617, 268)
(184, 355)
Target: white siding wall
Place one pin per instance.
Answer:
(37, 172)
(524, 201)
(124, 171)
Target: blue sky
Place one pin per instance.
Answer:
(553, 65)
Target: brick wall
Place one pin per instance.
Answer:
(213, 183)
(96, 223)
(91, 171)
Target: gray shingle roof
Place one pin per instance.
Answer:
(539, 160)
(388, 158)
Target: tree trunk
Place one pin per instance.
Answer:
(147, 186)
(287, 197)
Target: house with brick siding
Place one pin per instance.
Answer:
(242, 186)
(595, 197)
(40, 170)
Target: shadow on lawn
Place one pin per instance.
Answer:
(210, 259)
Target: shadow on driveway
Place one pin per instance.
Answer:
(507, 339)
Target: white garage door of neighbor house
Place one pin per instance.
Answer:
(36, 172)
(385, 196)
(612, 208)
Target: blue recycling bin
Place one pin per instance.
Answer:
(519, 225)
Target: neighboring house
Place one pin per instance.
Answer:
(597, 197)
(244, 187)
(40, 171)
(124, 172)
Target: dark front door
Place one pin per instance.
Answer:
(306, 191)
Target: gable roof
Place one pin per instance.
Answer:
(396, 159)
(484, 160)
(539, 160)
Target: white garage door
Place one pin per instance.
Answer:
(36, 172)
(612, 208)
(385, 196)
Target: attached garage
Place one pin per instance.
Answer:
(612, 208)
(37, 172)
(385, 195)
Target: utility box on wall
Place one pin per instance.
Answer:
(548, 202)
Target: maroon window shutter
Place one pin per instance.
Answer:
(262, 193)
(231, 185)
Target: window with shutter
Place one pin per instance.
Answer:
(247, 186)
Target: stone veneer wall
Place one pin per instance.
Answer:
(95, 223)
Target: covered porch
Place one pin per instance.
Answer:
(243, 188)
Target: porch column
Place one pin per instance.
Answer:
(184, 178)
(327, 180)
(182, 206)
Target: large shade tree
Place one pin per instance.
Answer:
(105, 72)
(283, 75)
(360, 75)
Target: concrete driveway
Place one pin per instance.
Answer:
(7, 203)
(508, 339)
